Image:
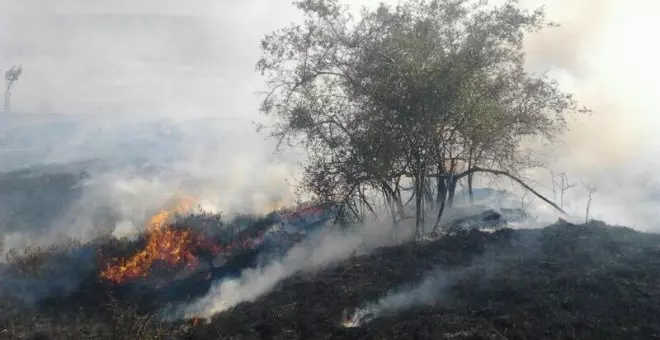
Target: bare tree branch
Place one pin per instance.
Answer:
(517, 180)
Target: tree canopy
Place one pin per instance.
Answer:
(404, 102)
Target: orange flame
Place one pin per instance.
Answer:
(173, 247)
(166, 244)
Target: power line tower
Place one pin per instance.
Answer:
(11, 76)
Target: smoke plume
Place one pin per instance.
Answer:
(436, 285)
(429, 292)
(163, 94)
(320, 251)
(135, 103)
(124, 103)
(601, 54)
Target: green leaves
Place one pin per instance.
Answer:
(429, 80)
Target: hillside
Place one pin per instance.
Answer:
(564, 281)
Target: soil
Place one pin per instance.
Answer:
(562, 282)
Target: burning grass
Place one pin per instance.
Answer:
(165, 244)
(176, 238)
(564, 281)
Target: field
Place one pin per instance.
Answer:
(564, 281)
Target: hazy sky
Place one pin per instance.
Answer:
(196, 58)
(604, 53)
(146, 57)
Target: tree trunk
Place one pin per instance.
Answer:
(419, 185)
(390, 206)
(441, 193)
(469, 179)
(451, 191)
(428, 192)
(443, 198)
(470, 193)
(399, 206)
(396, 198)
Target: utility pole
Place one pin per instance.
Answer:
(11, 76)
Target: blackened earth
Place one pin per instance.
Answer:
(562, 282)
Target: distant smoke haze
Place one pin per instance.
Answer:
(134, 69)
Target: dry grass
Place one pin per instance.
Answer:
(586, 282)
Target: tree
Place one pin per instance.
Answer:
(11, 76)
(590, 189)
(426, 93)
(563, 185)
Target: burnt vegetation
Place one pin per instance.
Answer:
(397, 109)
(587, 281)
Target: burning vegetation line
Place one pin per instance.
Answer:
(172, 246)
(176, 247)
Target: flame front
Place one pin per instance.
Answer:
(167, 244)
(176, 247)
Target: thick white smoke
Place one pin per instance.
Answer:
(161, 95)
(603, 55)
(113, 67)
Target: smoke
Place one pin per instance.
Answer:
(126, 188)
(160, 59)
(55, 272)
(163, 95)
(601, 53)
(321, 250)
(563, 47)
(436, 286)
(160, 95)
(429, 292)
